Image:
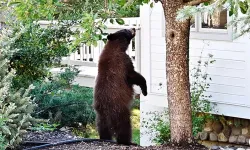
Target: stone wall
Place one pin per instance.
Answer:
(226, 129)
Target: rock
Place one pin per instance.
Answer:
(208, 126)
(227, 131)
(63, 129)
(233, 139)
(245, 131)
(213, 137)
(197, 137)
(236, 131)
(215, 148)
(237, 121)
(208, 129)
(245, 122)
(222, 137)
(248, 141)
(217, 127)
(240, 149)
(241, 139)
(203, 135)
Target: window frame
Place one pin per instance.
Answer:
(200, 33)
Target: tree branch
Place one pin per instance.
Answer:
(158, 1)
(195, 2)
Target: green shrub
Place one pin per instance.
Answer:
(15, 110)
(32, 50)
(136, 104)
(3, 144)
(159, 125)
(61, 102)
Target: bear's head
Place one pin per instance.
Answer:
(123, 37)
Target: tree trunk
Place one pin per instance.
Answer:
(177, 65)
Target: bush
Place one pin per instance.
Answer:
(32, 50)
(15, 110)
(53, 96)
(3, 144)
(136, 104)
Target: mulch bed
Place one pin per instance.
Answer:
(57, 136)
(110, 146)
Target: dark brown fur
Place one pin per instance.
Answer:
(113, 91)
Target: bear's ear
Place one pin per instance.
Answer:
(111, 37)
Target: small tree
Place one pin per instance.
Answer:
(15, 109)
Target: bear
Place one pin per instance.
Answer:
(113, 89)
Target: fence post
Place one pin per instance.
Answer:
(138, 50)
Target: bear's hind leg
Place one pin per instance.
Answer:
(122, 127)
(103, 127)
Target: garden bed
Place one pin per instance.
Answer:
(111, 146)
(59, 136)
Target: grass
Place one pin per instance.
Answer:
(135, 118)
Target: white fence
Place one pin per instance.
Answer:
(89, 55)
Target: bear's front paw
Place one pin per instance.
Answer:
(144, 92)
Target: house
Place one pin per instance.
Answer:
(230, 85)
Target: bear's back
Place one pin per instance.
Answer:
(111, 81)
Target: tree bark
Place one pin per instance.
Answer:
(177, 65)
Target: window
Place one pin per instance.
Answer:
(211, 26)
(207, 26)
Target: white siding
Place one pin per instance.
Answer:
(230, 73)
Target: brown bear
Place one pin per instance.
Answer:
(113, 91)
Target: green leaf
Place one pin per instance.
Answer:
(152, 5)
(231, 12)
(12, 3)
(206, 3)
(111, 20)
(6, 130)
(243, 7)
(120, 21)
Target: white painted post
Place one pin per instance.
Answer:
(129, 51)
(145, 70)
(138, 50)
(96, 52)
(82, 48)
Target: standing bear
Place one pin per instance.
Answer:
(113, 91)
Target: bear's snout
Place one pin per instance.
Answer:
(133, 31)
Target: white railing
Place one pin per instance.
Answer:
(89, 55)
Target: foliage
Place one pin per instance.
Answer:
(136, 136)
(44, 127)
(89, 131)
(135, 121)
(3, 143)
(15, 109)
(159, 125)
(136, 104)
(238, 10)
(75, 8)
(89, 15)
(54, 95)
(37, 50)
(31, 10)
(200, 103)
